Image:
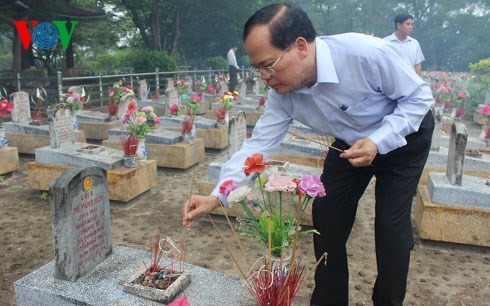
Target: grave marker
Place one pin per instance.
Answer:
(22, 109)
(81, 221)
(457, 148)
(242, 93)
(143, 92)
(171, 92)
(60, 127)
(238, 133)
(123, 105)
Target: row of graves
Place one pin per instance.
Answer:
(69, 136)
(88, 268)
(453, 196)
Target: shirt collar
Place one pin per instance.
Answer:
(325, 68)
(393, 37)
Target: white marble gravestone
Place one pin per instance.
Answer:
(123, 105)
(238, 132)
(143, 90)
(22, 109)
(61, 132)
(171, 92)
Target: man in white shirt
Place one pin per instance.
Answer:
(408, 46)
(233, 68)
(350, 86)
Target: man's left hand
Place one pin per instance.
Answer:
(362, 153)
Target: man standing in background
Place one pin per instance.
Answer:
(408, 47)
(233, 68)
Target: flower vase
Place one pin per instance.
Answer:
(282, 264)
(75, 122)
(112, 108)
(141, 152)
(3, 139)
(129, 161)
(227, 119)
(189, 130)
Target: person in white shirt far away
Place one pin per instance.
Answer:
(408, 46)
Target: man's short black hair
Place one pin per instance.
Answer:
(401, 18)
(286, 21)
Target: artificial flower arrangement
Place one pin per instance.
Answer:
(5, 106)
(485, 111)
(459, 102)
(74, 98)
(201, 87)
(273, 208)
(181, 86)
(138, 123)
(189, 107)
(276, 221)
(226, 105)
(117, 91)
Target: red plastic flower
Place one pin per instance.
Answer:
(254, 164)
(5, 106)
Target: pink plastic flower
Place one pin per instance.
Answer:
(485, 110)
(312, 186)
(227, 187)
(277, 182)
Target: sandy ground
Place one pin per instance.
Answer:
(440, 273)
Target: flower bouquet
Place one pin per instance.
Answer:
(74, 99)
(116, 93)
(485, 134)
(138, 123)
(188, 108)
(5, 106)
(279, 200)
(273, 208)
(224, 107)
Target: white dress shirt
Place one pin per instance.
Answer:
(361, 91)
(232, 59)
(409, 49)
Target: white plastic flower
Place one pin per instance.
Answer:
(238, 195)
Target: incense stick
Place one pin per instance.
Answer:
(315, 141)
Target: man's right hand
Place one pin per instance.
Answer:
(196, 206)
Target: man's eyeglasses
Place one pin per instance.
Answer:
(269, 70)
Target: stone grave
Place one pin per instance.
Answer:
(96, 124)
(454, 206)
(64, 153)
(9, 159)
(160, 104)
(23, 135)
(438, 156)
(166, 147)
(81, 221)
(88, 269)
(214, 137)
